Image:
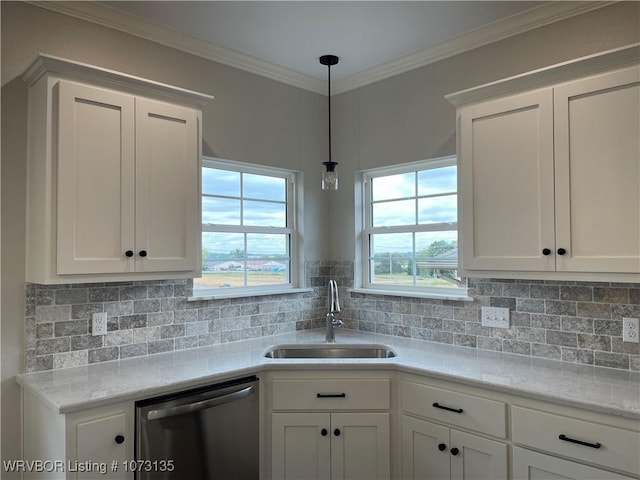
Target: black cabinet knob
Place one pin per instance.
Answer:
(455, 451)
(336, 432)
(324, 432)
(119, 439)
(561, 251)
(546, 251)
(129, 253)
(442, 447)
(143, 253)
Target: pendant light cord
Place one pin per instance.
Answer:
(329, 96)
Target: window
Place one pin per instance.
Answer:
(410, 228)
(248, 229)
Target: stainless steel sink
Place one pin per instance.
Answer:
(330, 350)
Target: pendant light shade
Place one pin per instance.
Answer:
(329, 171)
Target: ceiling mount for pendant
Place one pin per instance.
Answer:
(329, 174)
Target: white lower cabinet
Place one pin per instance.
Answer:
(600, 442)
(331, 425)
(528, 465)
(436, 452)
(83, 445)
(330, 445)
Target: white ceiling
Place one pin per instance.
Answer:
(284, 39)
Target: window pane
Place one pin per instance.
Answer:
(265, 214)
(401, 212)
(220, 211)
(220, 182)
(436, 250)
(268, 262)
(391, 257)
(256, 276)
(263, 187)
(437, 247)
(222, 246)
(222, 260)
(393, 186)
(267, 246)
(437, 180)
(391, 243)
(438, 209)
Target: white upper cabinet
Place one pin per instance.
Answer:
(506, 152)
(597, 171)
(550, 177)
(95, 180)
(113, 176)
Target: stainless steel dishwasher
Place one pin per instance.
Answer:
(208, 433)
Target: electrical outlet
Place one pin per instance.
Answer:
(495, 317)
(630, 330)
(99, 323)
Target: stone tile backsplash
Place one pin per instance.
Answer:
(576, 322)
(154, 316)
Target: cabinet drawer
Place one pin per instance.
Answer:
(467, 411)
(331, 394)
(608, 446)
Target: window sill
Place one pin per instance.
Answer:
(463, 297)
(212, 295)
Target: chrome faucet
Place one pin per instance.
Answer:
(334, 307)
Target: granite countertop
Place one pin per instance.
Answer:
(598, 389)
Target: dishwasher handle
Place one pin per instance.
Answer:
(197, 406)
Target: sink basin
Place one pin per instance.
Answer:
(330, 350)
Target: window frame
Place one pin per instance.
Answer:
(366, 230)
(293, 197)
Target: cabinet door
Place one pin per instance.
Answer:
(96, 445)
(477, 458)
(95, 184)
(425, 450)
(597, 147)
(360, 446)
(299, 448)
(529, 465)
(506, 182)
(167, 187)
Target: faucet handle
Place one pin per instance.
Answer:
(336, 322)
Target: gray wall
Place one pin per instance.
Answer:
(258, 120)
(406, 118)
(251, 119)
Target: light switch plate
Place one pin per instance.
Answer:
(496, 317)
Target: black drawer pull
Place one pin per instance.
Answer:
(442, 447)
(336, 432)
(455, 451)
(119, 439)
(324, 432)
(331, 395)
(457, 410)
(564, 438)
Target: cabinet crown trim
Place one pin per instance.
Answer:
(546, 76)
(78, 70)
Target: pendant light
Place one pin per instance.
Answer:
(329, 173)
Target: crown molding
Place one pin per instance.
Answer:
(139, 27)
(133, 25)
(505, 28)
(617, 58)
